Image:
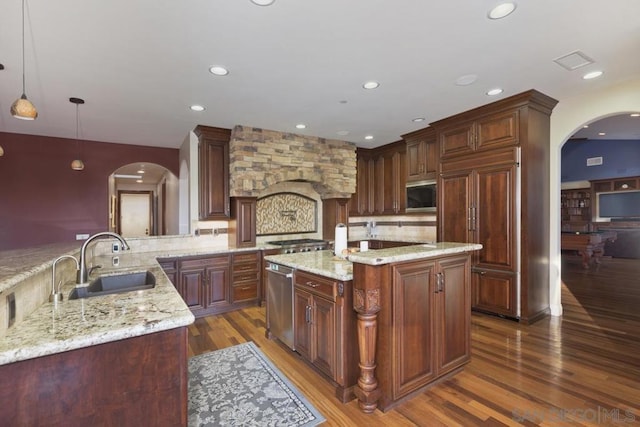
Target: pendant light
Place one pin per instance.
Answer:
(77, 165)
(22, 108)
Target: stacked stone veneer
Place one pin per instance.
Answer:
(260, 158)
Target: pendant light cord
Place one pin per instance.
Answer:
(23, 84)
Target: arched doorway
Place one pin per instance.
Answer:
(143, 200)
(567, 118)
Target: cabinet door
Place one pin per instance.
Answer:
(323, 320)
(494, 292)
(454, 207)
(454, 313)
(192, 288)
(415, 160)
(361, 202)
(302, 334)
(497, 130)
(390, 182)
(457, 140)
(218, 286)
(242, 227)
(214, 173)
(494, 219)
(413, 327)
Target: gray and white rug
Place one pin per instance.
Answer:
(239, 386)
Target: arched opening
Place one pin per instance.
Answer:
(143, 200)
(567, 118)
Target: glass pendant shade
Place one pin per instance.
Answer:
(77, 165)
(23, 109)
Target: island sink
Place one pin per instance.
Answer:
(114, 284)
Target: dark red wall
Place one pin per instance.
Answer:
(42, 200)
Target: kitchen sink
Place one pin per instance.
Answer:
(115, 284)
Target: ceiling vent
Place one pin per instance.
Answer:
(573, 61)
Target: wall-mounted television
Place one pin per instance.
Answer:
(622, 204)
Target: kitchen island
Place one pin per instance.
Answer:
(118, 359)
(413, 314)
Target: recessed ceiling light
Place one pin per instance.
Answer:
(344, 101)
(418, 119)
(494, 92)
(502, 10)
(592, 75)
(343, 132)
(635, 114)
(371, 85)
(263, 2)
(197, 108)
(218, 70)
(140, 171)
(602, 133)
(368, 137)
(586, 126)
(139, 181)
(466, 80)
(301, 126)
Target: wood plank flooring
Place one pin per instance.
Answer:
(581, 369)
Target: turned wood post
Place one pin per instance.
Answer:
(366, 302)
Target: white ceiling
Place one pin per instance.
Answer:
(140, 64)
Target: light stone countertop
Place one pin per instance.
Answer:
(323, 263)
(72, 324)
(412, 252)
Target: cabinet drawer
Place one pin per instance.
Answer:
(249, 257)
(245, 291)
(316, 284)
(204, 262)
(168, 264)
(243, 268)
(245, 276)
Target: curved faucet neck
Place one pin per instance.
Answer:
(83, 275)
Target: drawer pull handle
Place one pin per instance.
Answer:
(313, 285)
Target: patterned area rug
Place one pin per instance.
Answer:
(239, 386)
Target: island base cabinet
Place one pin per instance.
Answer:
(324, 329)
(139, 381)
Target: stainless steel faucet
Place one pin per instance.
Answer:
(83, 275)
(56, 296)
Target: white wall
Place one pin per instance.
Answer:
(567, 118)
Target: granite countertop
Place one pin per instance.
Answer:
(326, 264)
(412, 252)
(323, 263)
(72, 324)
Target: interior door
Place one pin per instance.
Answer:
(135, 213)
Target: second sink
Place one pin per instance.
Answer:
(115, 284)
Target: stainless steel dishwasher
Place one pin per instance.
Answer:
(280, 302)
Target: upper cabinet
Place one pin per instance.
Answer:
(361, 202)
(213, 153)
(422, 155)
(486, 133)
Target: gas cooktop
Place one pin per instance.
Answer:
(294, 242)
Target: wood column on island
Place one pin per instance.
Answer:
(366, 302)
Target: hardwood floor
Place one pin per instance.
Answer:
(581, 369)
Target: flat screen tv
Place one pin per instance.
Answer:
(619, 205)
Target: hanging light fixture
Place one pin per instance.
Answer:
(77, 165)
(22, 108)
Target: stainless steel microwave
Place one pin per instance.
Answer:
(421, 196)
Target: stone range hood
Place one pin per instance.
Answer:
(260, 158)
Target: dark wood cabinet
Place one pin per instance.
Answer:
(212, 284)
(213, 154)
(325, 329)
(500, 129)
(246, 277)
(362, 200)
(492, 189)
(431, 306)
(242, 225)
(422, 155)
(390, 180)
(204, 284)
(334, 212)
